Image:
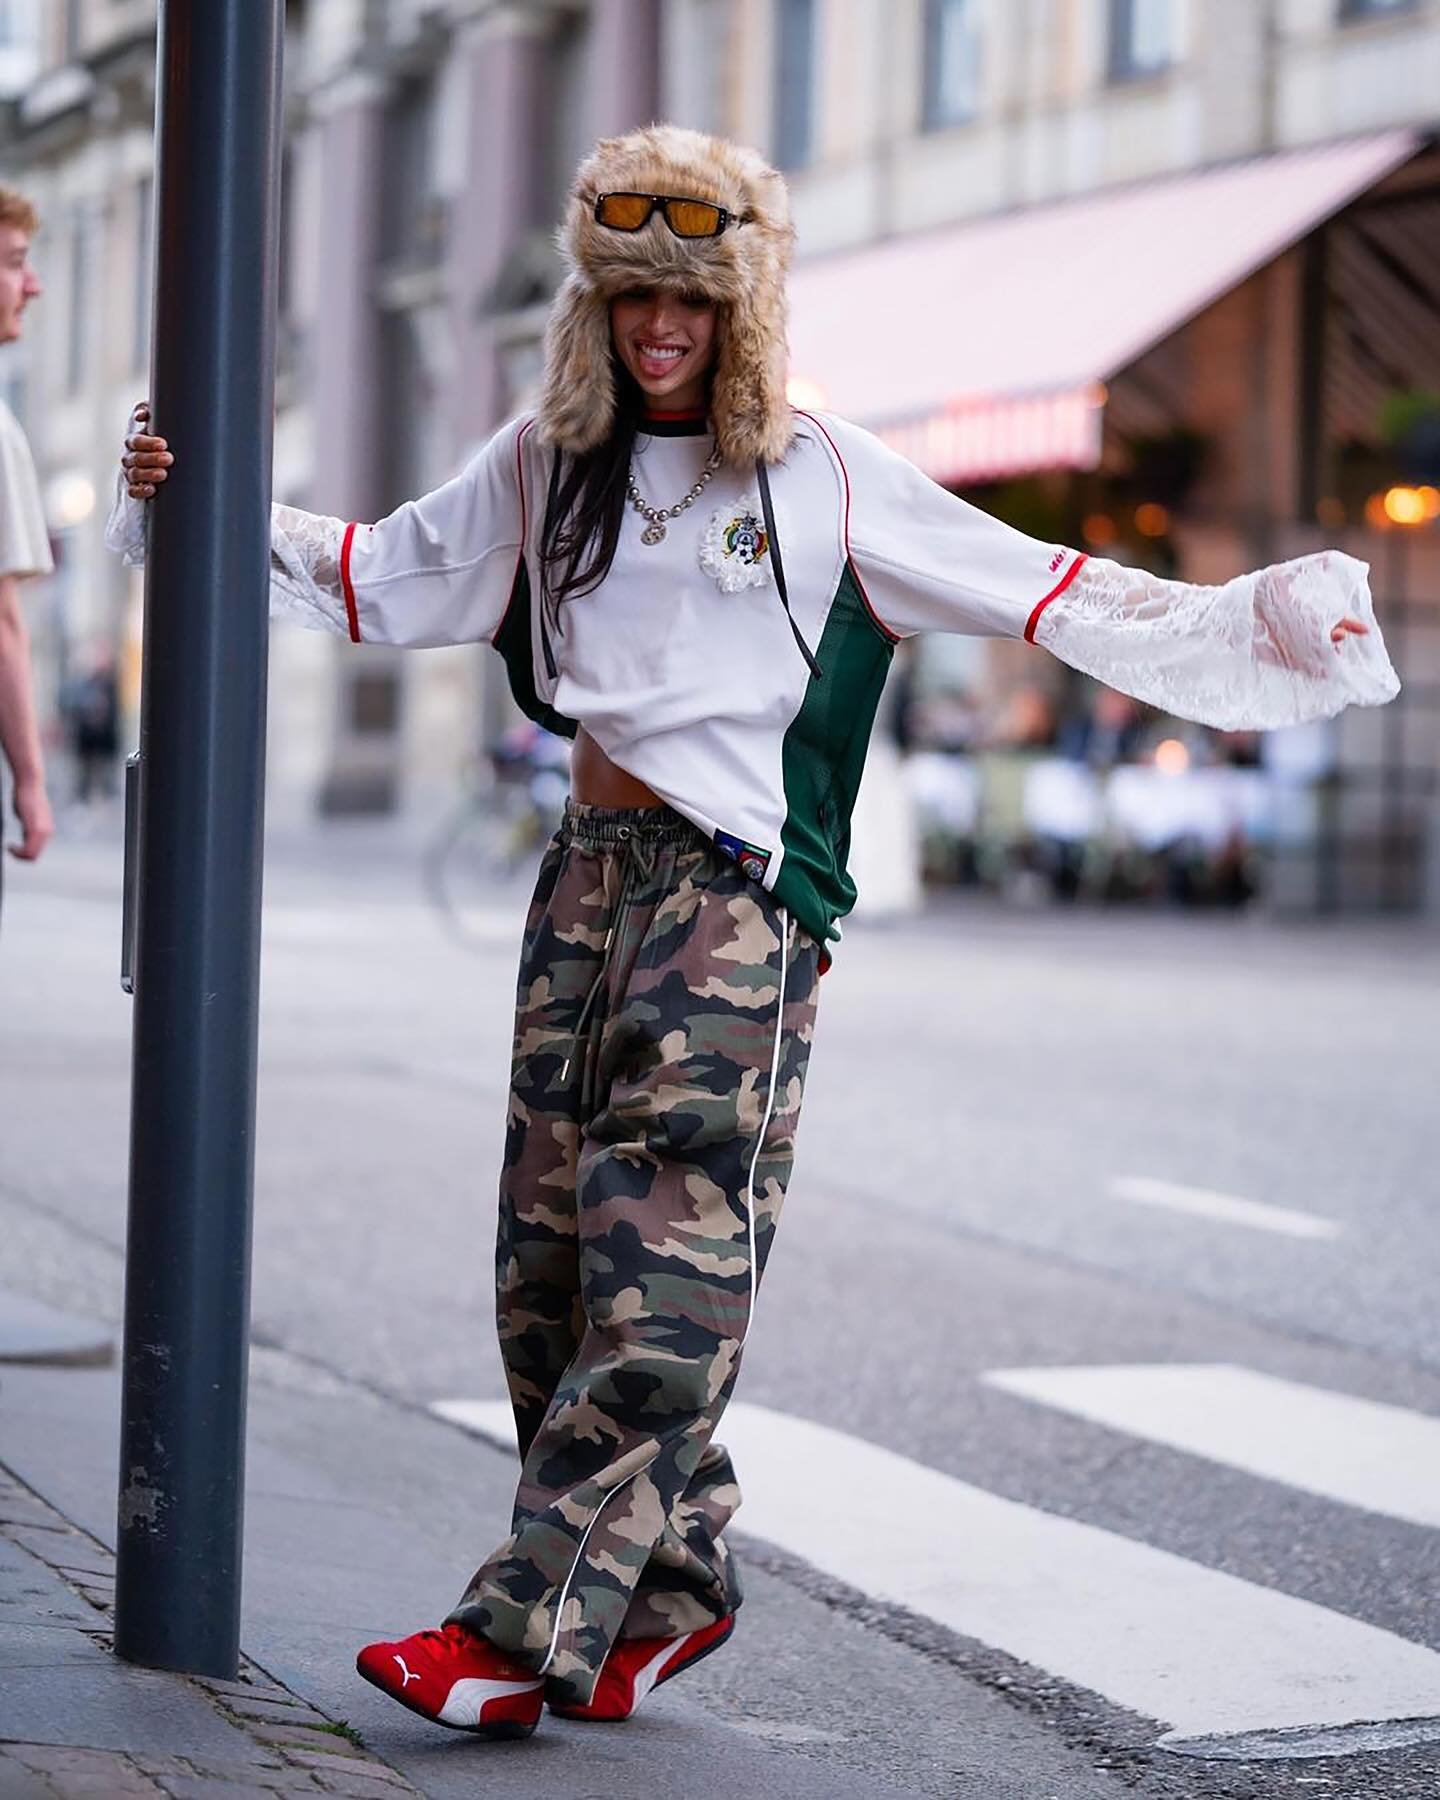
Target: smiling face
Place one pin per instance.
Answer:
(667, 342)
(19, 284)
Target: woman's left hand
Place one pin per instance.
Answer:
(1338, 633)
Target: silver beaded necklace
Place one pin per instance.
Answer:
(654, 532)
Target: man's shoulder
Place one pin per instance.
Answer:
(11, 430)
(16, 456)
(24, 539)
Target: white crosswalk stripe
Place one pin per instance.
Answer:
(1229, 1209)
(1382, 1458)
(1202, 1652)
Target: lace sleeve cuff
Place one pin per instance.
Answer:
(1253, 654)
(305, 582)
(125, 528)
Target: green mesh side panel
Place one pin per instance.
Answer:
(824, 756)
(512, 640)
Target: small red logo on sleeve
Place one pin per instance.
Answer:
(1056, 560)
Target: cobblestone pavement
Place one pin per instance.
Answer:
(190, 1739)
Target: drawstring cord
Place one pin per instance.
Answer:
(772, 538)
(545, 602)
(637, 863)
(579, 1031)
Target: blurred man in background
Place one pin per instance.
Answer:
(90, 709)
(24, 547)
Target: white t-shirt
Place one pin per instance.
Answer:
(24, 541)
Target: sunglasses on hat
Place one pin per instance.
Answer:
(686, 218)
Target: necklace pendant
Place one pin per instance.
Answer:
(654, 533)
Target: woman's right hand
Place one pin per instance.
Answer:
(146, 459)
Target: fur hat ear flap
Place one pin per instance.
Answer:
(750, 402)
(749, 405)
(577, 400)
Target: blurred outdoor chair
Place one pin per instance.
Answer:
(1190, 833)
(945, 791)
(1153, 808)
(1064, 814)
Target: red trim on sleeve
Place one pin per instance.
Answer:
(1054, 594)
(880, 625)
(351, 614)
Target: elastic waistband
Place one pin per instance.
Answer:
(608, 827)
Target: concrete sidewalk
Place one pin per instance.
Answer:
(362, 1515)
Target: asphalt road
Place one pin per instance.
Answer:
(1032, 1141)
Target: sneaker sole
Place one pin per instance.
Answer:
(585, 1718)
(502, 1731)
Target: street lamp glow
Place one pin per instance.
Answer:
(1171, 757)
(1411, 505)
(70, 500)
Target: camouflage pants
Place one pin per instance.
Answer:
(663, 1026)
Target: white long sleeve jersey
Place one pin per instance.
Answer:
(682, 664)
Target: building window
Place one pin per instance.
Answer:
(695, 53)
(78, 321)
(375, 703)
(1372, 9)
(952, 62)
(794, 82)
(144, 273)
(412, 213)
(1142, 37)
(568, 64)
(19, 46)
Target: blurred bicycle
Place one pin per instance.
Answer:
(499, 830)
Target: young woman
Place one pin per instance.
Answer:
(704, 587)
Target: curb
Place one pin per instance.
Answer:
(298, 1749)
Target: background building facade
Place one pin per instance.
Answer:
(428, 146)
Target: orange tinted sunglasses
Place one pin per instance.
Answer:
(686, 218)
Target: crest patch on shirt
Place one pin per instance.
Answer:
(752, 859)
(735, 547)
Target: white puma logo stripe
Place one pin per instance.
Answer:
(408, 1677)
(466, 1702)
(649, 1673)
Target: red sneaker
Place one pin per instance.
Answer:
(635, 1665)
(457, 1679)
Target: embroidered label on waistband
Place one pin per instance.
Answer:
(752, 859)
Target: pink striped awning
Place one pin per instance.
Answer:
(988, 438)
(981, 350)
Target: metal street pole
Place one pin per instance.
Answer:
(202, 733)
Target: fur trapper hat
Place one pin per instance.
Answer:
(742, 270)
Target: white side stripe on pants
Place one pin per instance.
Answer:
(768, 1115)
